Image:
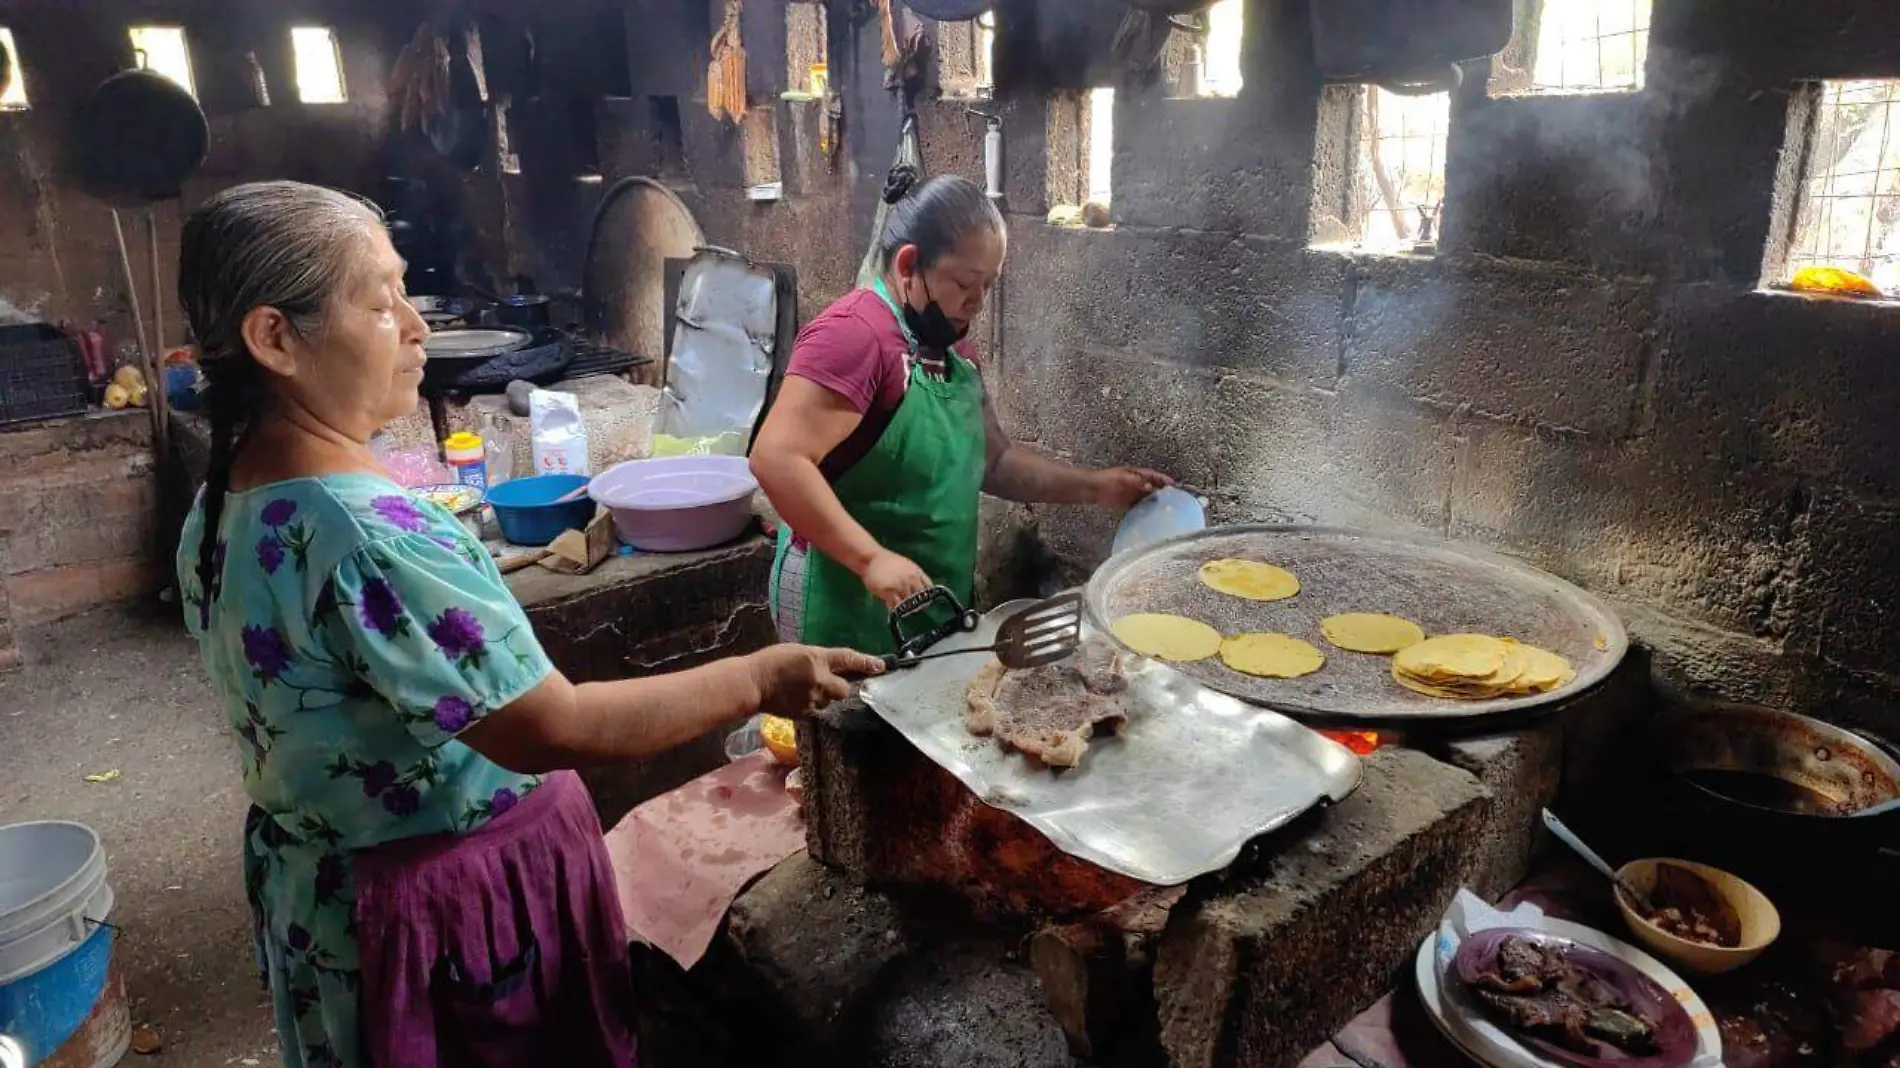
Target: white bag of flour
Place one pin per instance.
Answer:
(559, 434)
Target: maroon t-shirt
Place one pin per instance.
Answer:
(856, 349)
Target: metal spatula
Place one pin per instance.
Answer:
(1043, 633)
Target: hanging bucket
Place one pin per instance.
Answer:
(59, 996)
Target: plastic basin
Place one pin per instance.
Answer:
(526, 512)
(678, 503)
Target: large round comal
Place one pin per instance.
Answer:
(678, 503)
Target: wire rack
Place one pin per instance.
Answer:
(1402, 163)
(1849, 211)
(1585, 45)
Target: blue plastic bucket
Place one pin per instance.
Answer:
(55, 953)
(526, 512)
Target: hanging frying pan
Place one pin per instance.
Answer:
(137, 138)
(949, 10)
(1171, 7)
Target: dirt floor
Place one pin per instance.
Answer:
(122, 690)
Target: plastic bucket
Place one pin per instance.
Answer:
(55, 957)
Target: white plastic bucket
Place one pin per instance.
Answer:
(52, 891)
(57, 985)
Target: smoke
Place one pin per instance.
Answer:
(12, 314)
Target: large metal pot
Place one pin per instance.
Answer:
(1779, 784)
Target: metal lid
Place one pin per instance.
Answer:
(475, 341)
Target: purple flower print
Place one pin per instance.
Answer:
(402, 800)
(279, 512)
(503, 800)
(330, 874)
(378, 777)
(399, 511)
(270, 554)
(452, 714)
(298, 937)
(458, 632)
(381, 609)
(267, 652)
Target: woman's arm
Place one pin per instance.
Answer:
(560, 725)
(1019, 473)
(806, 422)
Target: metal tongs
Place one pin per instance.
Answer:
(1043, 633)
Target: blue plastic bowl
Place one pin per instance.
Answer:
(527, 514)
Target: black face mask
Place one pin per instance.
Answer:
(931, 327)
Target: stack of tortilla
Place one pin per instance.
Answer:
(1478, 667)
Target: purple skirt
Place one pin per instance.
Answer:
(504, 946)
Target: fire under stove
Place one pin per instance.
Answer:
(930, 923)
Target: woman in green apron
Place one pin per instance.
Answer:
(882, 439)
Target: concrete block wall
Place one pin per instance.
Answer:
(1585, 376)
(78, 519)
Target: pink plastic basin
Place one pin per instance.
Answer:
(676, 504)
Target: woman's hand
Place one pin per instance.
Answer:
(797, 680)
(1124, 487)
(891, 577)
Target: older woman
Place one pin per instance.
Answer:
(882, 438)
(429, 886)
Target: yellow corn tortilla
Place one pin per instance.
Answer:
(1522, 670)
(1271, 656)
(1371, 632)
(1167, 637)
(1250, 579)
(1452, 657)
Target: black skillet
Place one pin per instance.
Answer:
(137, 138)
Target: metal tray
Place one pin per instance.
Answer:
(1187, 781)
(1443, 588)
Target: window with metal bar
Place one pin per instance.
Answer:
(1590, 46)
(1399, 162)
(1847, 210)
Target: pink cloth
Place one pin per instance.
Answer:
(855, 349)
(683, 856)
(499, 947)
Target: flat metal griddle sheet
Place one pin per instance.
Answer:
(1186, 782)
(1445, 589)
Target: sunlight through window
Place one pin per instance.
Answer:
(13, 93)
(162, 50)
(319, 65)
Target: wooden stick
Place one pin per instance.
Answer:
(159, 435)
(161, 397)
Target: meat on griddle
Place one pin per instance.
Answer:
(1050, 712)
(1539, 990)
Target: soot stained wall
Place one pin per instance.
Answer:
(58, 256)
(1585, 376)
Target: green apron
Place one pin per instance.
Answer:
(916, 492)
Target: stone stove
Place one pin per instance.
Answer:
(925, 927)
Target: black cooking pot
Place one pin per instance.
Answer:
(528, 311)
(1781, 785)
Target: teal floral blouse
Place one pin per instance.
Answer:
(352, 632)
